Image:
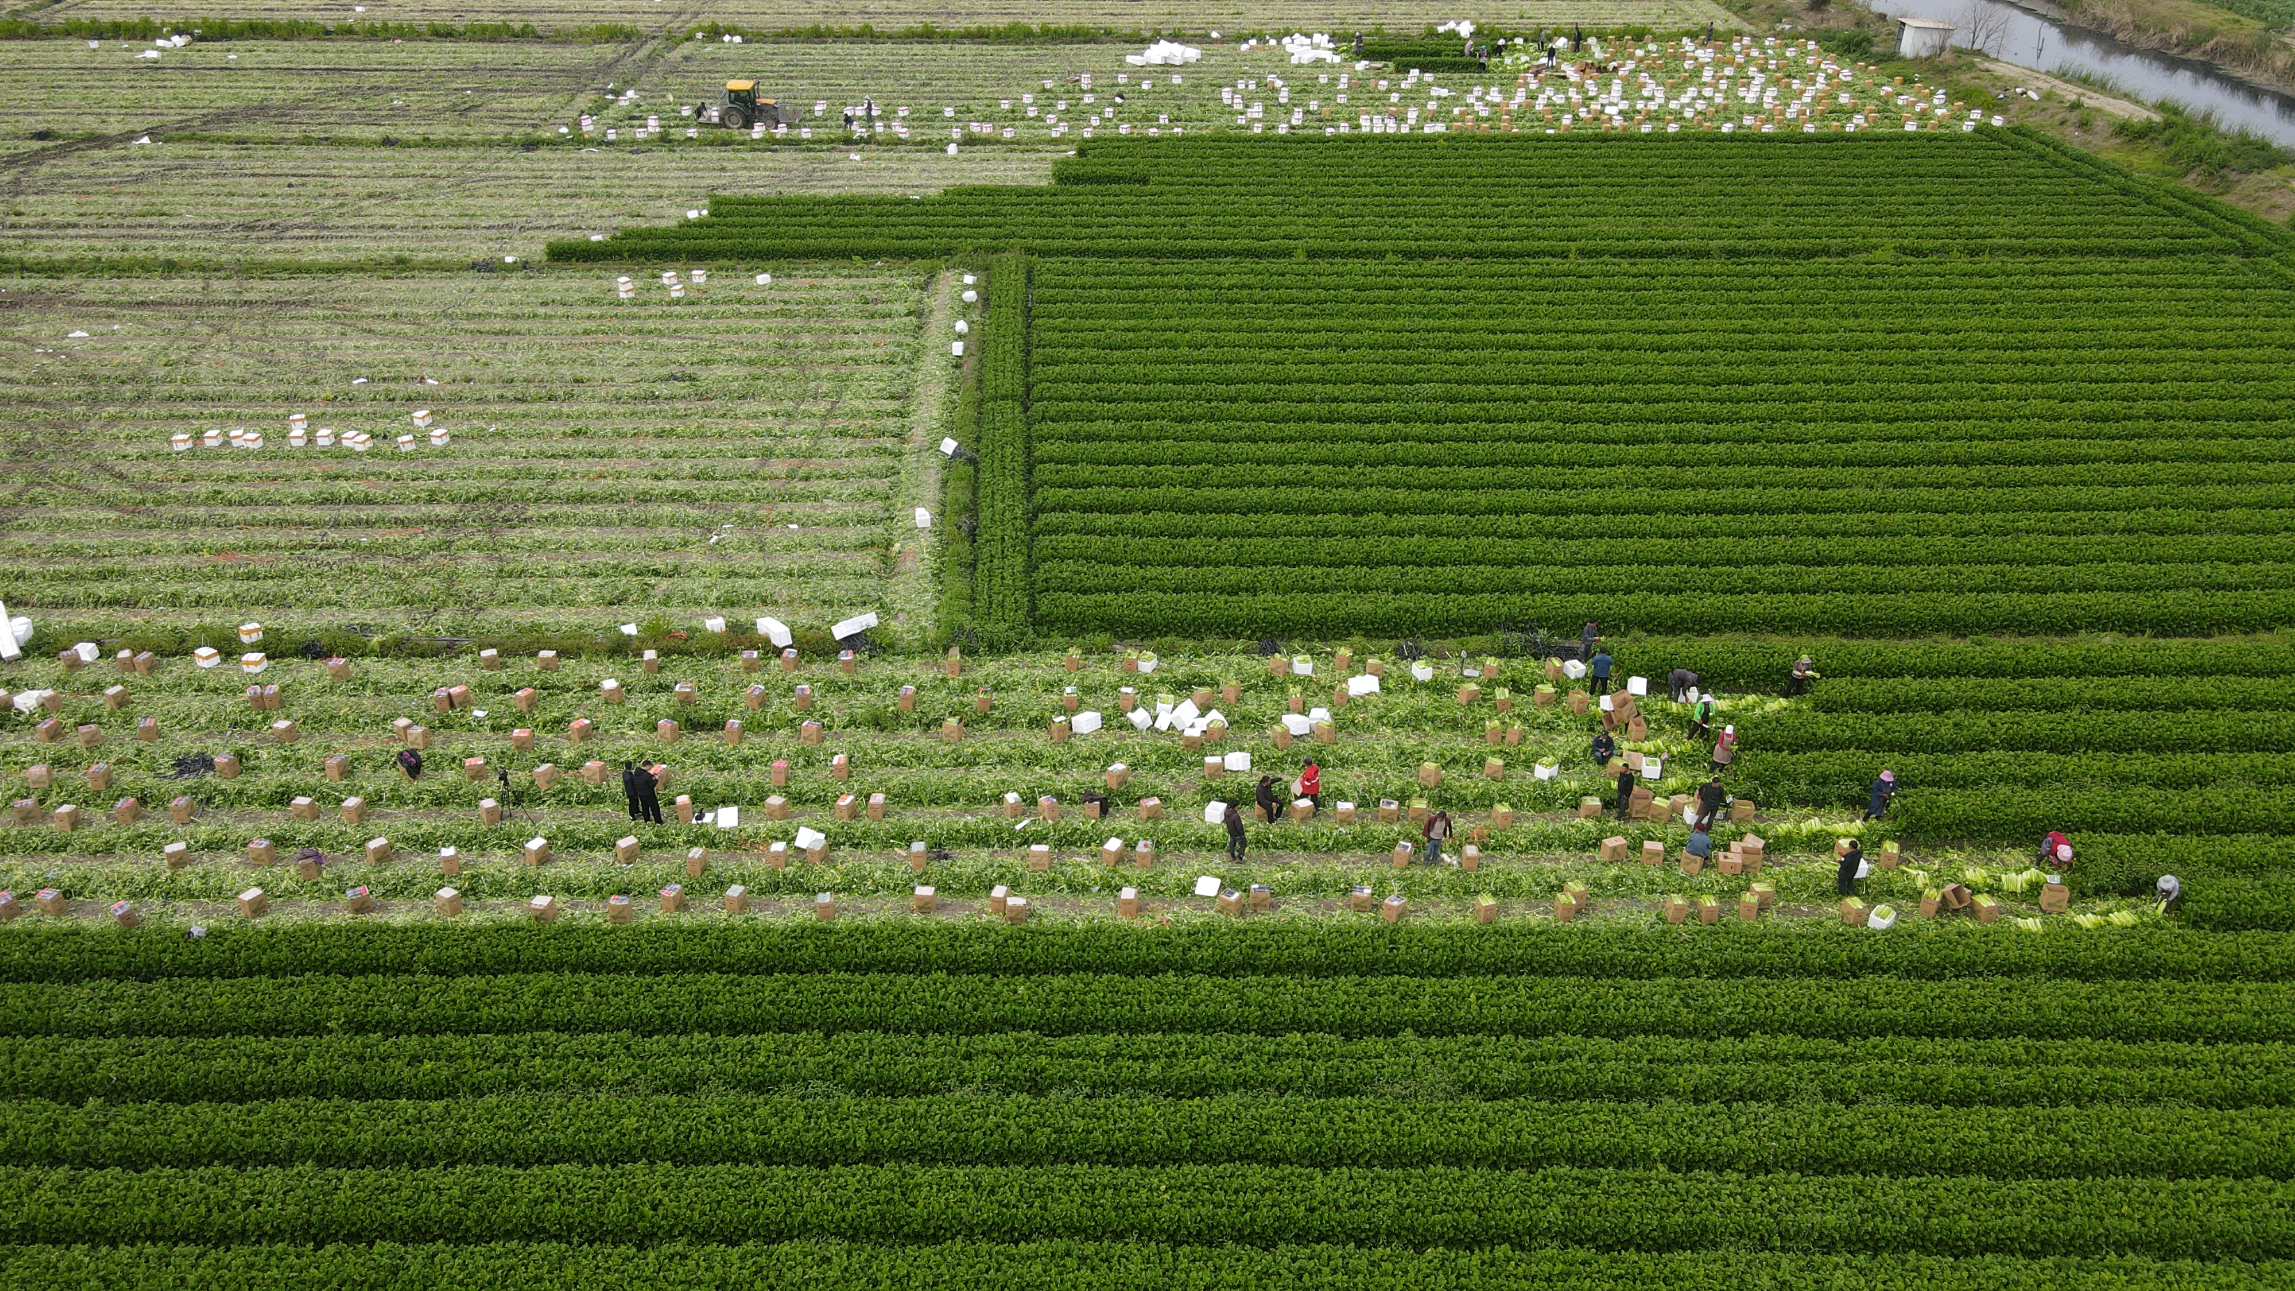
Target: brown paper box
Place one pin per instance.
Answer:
(1613, 848)
(1676, 910)
(182, 809)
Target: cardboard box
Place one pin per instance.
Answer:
(546, 660)
(1128, 903)
(359, 901)
(1230, 901)
(776, 855)
(1676, 909)
(449, 861)
(126, 811)
(841, 767)
(536, 851)
(262, 851)
(617, 909)
(1016, 910)
(253, 904)
(1854, 912)
(626, 849)
(1983, 907)
(578, 730)
(378, 850)
(124, 915)
(175, 855)
(547, 775)
(1040, 857)
(1470, 858)
(2055, 895)
(1393, 908)
(1403, 853)
(1565, 907)
(848, 807)
(182, 809)
(736, 899)
(1486, 908)
(543, 908)
(1691, 863)
(1749, 907)
(1613, 848)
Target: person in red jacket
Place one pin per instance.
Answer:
(1311, 784)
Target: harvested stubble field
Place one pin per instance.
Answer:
(1741, 399)
(748, 445)
(1262, 17)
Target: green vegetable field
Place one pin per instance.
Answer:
(942, 711)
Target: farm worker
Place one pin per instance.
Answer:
(1235, 834)
(1700, 844)
(1587, 638)
(1884, 789)
(1601, 670)
(1267, 798)
(1710, 797)
(410, 762)
(1625, 795)
(1797, 681)
(1852, 862)
(1092, 796)
(630, 791)
(1725, 749)
(1311, 784)
(1436, 829)
(647, 781)
(2056, 850)
(1605, 748)
(2170, 888)
(1701, 718)
(1680, 682)
(1358, 44)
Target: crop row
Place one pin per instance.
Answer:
(1978, 194)
(1631, 1069)
(1246, 1204)
(1078, 1264)
(1341, 615)
(1000, 587)
(1020, 1130)
(1304, 952)
(1082, 1002)
(1725, 573)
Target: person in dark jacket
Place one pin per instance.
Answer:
(1267, 797)
(1680, 682)
(1095, 796)
(649, 806)
(1884, 789)
(1235, 839)
(1587, 638)
(1605, 748)
(1845, 881)
(410, 762)
(1710, 797)
(630, 791)
(1700, 845)
(1600, 669)
(1625, 795)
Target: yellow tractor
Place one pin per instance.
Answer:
(739, 108)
